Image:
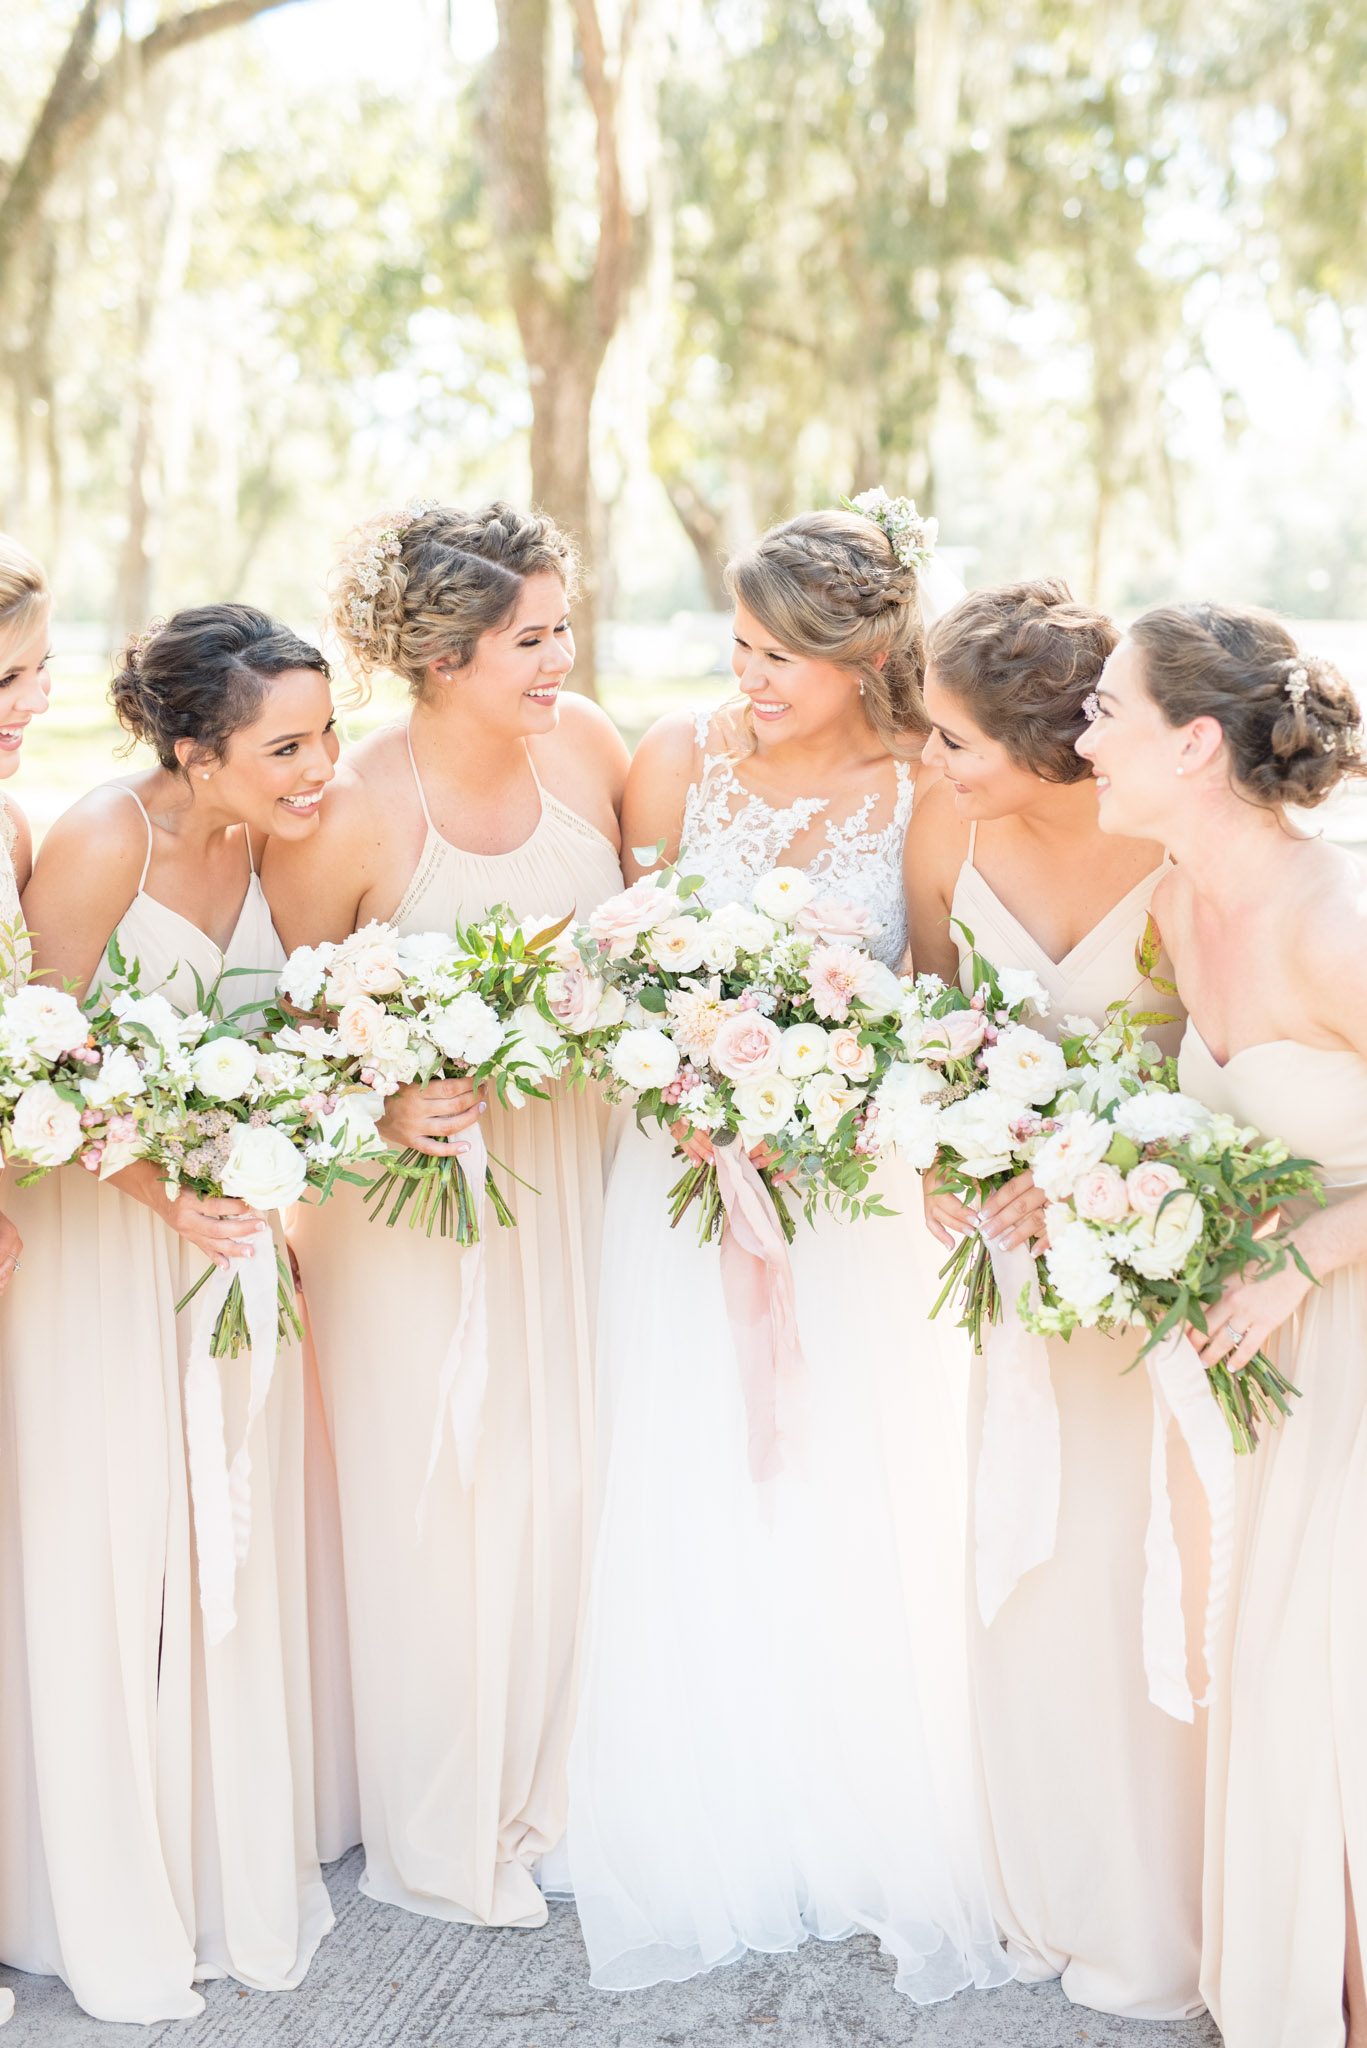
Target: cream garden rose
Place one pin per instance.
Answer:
(263, 1168)
(764, 1106)
(747, 1047)
(46, 1127)
(848, 1056)
(223, 1067)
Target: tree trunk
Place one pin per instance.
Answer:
(704, 525)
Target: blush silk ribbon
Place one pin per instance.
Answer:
(1015, 1499)
(757, 1281)
(1181, 1394)
(465, 1368)
(220, 1493)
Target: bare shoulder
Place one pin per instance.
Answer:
(104, 831)
(669, 747)
(585, 739)
(1324, 922)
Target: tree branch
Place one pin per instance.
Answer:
(613, 260)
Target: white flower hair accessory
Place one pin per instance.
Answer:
(913, 538)
(1091, 707)
(384, 547)
(1297, 684)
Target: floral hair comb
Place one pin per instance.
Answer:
(1091, 707)
(383, 548)
(913, 538)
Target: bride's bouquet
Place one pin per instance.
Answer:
(62, 1095)
(218, 1113)
(388, 1009)
(762, 1024)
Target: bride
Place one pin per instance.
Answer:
(772, 1730)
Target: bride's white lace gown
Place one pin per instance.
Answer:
(772, 1735)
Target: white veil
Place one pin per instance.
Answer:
(940, 589)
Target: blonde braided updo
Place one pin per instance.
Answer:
(829, 587)
(422, 586)
(23, 594)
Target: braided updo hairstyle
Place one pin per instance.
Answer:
(23, 594)
(1023, 659)
(422, 586)
(1291, 723)
(828, 586)
(202, 676)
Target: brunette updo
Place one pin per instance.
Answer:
(1023, 658)
(422, 585)
(828, 586)
(1291, 723)
(202, 676)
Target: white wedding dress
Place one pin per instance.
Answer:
(772, 1739)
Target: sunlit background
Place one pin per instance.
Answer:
(1086, 280)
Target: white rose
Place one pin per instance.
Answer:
(1079, 1269)
(118, 1074)
(763, 1107)
(978, 1128)
(1019, 986)
(782, 893)
(47, 1021)
(465, 1030)
(263, 1168)
(677, 945)
(825, 1102)
(848, 1056)
(46, 1127)
(224, 1068)
(1080, 1142)
(1157, 1246)
(803, 1051)
(1157, 1114)
(1025, 1065)
(303, 974)
(645, 1058)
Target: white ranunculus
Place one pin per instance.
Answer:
(645, 1058)
(1019, 985)
(303, 974)
(763, 1107)
(978, 1128)
(117, 1075)
(826, 1101)
(224, 1068)
(677, 945)
(1080, 1142)
(1025, 1065)
(782, 893)
(263, 1168)
(1079, 1269)
(1157, 1245)
(1158, 1114)
(45, 1021)
(46, 1127)
(803, 1051)
(465, 1030)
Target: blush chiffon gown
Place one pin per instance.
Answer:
(156, 1793)
(1091, 1794)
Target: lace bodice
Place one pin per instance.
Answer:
(15, 958)
(732, 845)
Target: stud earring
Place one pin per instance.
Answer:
(1180, 769)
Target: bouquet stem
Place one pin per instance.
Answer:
(231, 1335)
(437, 1194)
(1259, 1394)
(968, 1271)
(698, 1183)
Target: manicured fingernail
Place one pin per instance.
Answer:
(482, 1107)
(462, 1148)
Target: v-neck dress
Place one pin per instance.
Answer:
(464, 1633)
(1092, 1795)
(156, 1795)
(1287, 1798)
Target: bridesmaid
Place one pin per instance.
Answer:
(1210, 723)
(25, 618)
(1092, 1794)
(494, 788)
(156, 1809)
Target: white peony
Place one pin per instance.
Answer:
(1080, 1142)
(224, 1068)
(978, 1128)
(826, 1101)
(1158, 1114)
(1025, 1065)
(466, 1030)
(763, 1107)
(803, 1051)
(782, 893)
(1079, 1269)
(117, 1075)
(677, 945)
(645, 1058)
(46, 1127)
(420, 952)
(1157, 1246)
(303, 974)
(45, 1021)
(1019, 985)
(263, 1168)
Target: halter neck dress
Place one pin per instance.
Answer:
(1092, 1795)
(1287, 1797)
(463, 1636)
(156, 1794)
(772, 1740)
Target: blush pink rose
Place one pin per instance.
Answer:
(845, 1053)
(746, 1047)
(574, 996)
(1149, 1183)
(953, 1037)
(1100, 1195)
(360, 1026)
(618, 923)
(375, 970)
(827, 917)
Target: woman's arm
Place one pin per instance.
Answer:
(656, 790)
(935, 849)
(86, 875)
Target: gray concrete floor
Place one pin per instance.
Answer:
(386, 1979)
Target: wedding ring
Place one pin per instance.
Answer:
(1236, 1337)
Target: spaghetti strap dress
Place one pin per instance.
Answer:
(14, 964)
(1091, 1794)
(1287, 1797)
(463, 1635)
(156, 1793)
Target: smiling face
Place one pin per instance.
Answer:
(24, 686)
(1136, 756)
(513, 684)
(274, 771)
(986, 781)
(792, 696)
